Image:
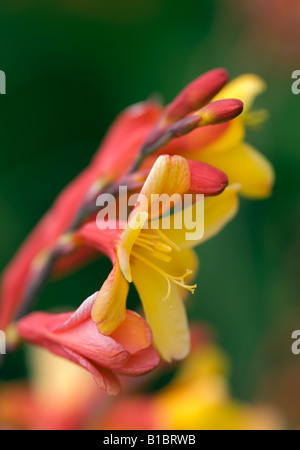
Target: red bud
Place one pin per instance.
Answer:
(220, 111)
(196, 95)
(206, 179)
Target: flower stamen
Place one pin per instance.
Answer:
(179, 281)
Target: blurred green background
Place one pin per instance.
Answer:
(73, 65)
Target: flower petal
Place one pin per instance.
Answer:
(133, 334)
(245, 87)
(104, 378)
(109, 309)
(245, 165)
(232, 136)
(141, 363)
(169, 175)
(186, 260)
(129, 236)
(42, 328)
(104, 240)
(167, 318)
(218, 211)
(81, 314)
(125, 138)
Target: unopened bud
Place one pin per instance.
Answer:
(212, 114)
(195, 95)
(220, 111)
(206, 179)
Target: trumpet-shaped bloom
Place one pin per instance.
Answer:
(74, 336)
(160, 262)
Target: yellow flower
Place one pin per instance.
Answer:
(199, 398)
(229, 152)
(160, 262)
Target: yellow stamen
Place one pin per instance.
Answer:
(254, 119)
(168, 241)
(163, 247)
(145, 235)
(161, 256)
(157, 248)
(145, 246)
(168, 277)
(145, 240)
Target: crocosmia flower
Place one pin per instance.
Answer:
(195, 145)
(160, 262)
(74, 336)
(138, 125)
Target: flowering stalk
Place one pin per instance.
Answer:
(172, 125)
(212, 114)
